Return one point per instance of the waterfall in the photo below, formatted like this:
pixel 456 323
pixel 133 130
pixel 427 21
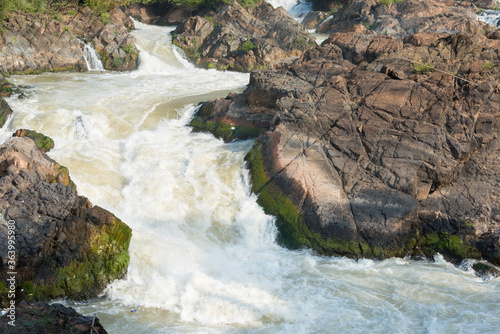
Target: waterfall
pixel 296 8
pixel 490 17
pixel 202 255
pixel 92 58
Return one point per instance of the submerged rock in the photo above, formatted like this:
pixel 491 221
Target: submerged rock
pixel 368 154
pixel 33 43
pixel 39 317
pixel 242 39
pixel 65 246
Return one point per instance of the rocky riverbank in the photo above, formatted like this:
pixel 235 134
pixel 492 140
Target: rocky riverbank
pixel 374 148
pixel 34 43
pixel 65 246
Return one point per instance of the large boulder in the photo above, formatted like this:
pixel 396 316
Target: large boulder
pixel 64 245
pixel 376 149
pixel 33 43
pixel 242 39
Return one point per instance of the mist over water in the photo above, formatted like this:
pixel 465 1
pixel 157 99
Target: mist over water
pixel 203 256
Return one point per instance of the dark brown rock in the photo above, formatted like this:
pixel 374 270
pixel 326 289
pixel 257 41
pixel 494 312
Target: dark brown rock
pixel 356 163
pixel 5 111
pixel 38 318
pixel 313 19
pixel 64 246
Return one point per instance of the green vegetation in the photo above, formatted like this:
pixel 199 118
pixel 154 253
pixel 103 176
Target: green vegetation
pixel 56 8
pixel 300 44
pixel 105 18
pixel 293 232
pixel 390 2
pixel 41 140
pixel 421 68
pixel 208 3
pixel 118 61
pixel 105 260
pixel 128 48
pixel 193 51
pixel 247 46
pixel 488 65
pixel 450 246
pixel 225 131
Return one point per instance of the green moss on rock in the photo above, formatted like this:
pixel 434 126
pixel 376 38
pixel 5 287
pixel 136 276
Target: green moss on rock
pixel 5 111
pixel 225 131
pixel 105 260
pixel 42 141
pixel 64 178
pixel 293 232
pixel 451 246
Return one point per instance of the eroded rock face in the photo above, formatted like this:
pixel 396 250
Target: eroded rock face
pixel 44 318
pixel 32 43
pixel 65 246
pixel 242 39
pixel 405 18
pixel 368 155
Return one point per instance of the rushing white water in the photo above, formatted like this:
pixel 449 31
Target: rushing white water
pixel 203 256
pixel 92 58
pixel 490 16
pixel 297 8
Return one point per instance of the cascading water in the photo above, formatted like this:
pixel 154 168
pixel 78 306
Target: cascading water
pixel 297 8
pixel 490 16
pixel 203 256
pixel 92 58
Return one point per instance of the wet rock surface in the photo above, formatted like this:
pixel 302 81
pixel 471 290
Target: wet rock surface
pixel 34 318
pixel 64 245
pixel 34 43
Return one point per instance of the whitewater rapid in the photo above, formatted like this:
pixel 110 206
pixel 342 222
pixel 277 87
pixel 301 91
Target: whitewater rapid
pixel 203 255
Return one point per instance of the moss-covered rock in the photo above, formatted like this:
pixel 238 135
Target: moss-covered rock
pixel 451 246
pixel 226 132
pixel 485 270
pixel 5 111
pixel 104 259
pixel 293 232
pixel 70 248
pixel 42 141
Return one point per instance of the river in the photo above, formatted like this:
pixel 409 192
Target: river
pixel 203 255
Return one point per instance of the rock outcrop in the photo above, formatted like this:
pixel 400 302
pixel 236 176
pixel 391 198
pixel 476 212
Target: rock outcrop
pixel 404 18
pixel 6 89
pixel 64 245
pixel 242 39
pixel 39 317
pixel 33 43
pixel 163 13
pixel 368 154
